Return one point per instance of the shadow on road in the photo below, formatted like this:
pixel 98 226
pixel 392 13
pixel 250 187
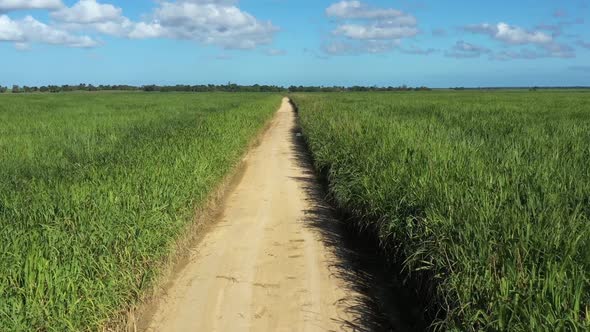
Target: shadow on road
pixel 379 300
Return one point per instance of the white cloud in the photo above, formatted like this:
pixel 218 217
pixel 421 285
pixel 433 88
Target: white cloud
pixel 29 30
pixel 515 35
pixel 212 22
pixel 88 11
pixel 144 30
pixel 90 15
pixel 375 31
pixel 379 46
pixel 9 5
pixel 510 34
pixel 9 30
pixel 358 10
pixel 553 50
pixel 545 44
pixel 368 29
pixel 463 50
pixel 356 47
pixel 338 48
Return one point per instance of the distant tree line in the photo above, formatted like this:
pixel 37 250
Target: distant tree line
pixel 67 88
pixel 354 88
pixel 230 87
pixel 533 88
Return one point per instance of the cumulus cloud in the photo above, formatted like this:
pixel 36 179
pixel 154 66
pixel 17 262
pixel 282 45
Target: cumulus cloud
pixel 510 34
pixel 338 47
pixel 10 5
pixel 10 30
pixel 515 35
pixel 367 29
pixel 88 11
pixel 29 30
pixel 379 30
pixel 354 47
pixel 211 22
pixel 358 10
pixel 463 50
pixel 379 46
pixel 545 45
pixel 553 51
pixel 90 15
pixel 144 30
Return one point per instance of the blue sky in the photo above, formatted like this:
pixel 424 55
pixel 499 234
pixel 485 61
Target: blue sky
pixel 286 42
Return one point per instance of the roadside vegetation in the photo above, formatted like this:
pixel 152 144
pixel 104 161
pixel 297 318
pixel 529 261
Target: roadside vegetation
pixel 96 188
pixel 485 195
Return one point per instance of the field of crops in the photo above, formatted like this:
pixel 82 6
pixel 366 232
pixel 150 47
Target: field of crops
pixel 486 193
pixel 95 188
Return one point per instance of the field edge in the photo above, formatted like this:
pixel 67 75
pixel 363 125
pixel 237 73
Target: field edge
pixel 413 292
pixel 131 318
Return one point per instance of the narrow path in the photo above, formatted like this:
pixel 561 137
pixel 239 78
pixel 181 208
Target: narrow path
pixel 261 267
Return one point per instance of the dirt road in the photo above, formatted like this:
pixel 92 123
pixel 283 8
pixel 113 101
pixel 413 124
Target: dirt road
pixel 260 268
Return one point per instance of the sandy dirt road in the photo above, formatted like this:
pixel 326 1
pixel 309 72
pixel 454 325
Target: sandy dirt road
pixel 260 268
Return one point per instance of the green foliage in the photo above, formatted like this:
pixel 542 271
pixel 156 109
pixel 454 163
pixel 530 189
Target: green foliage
pixel 95 188
pixel 488 192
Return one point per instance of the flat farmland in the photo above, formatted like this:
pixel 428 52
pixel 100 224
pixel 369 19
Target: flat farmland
pixel 96 188
pixel 481 197
pixel 413 210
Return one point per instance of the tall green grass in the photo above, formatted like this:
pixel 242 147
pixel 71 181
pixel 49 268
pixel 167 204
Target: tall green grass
pixel 488 194
pixel 95 188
